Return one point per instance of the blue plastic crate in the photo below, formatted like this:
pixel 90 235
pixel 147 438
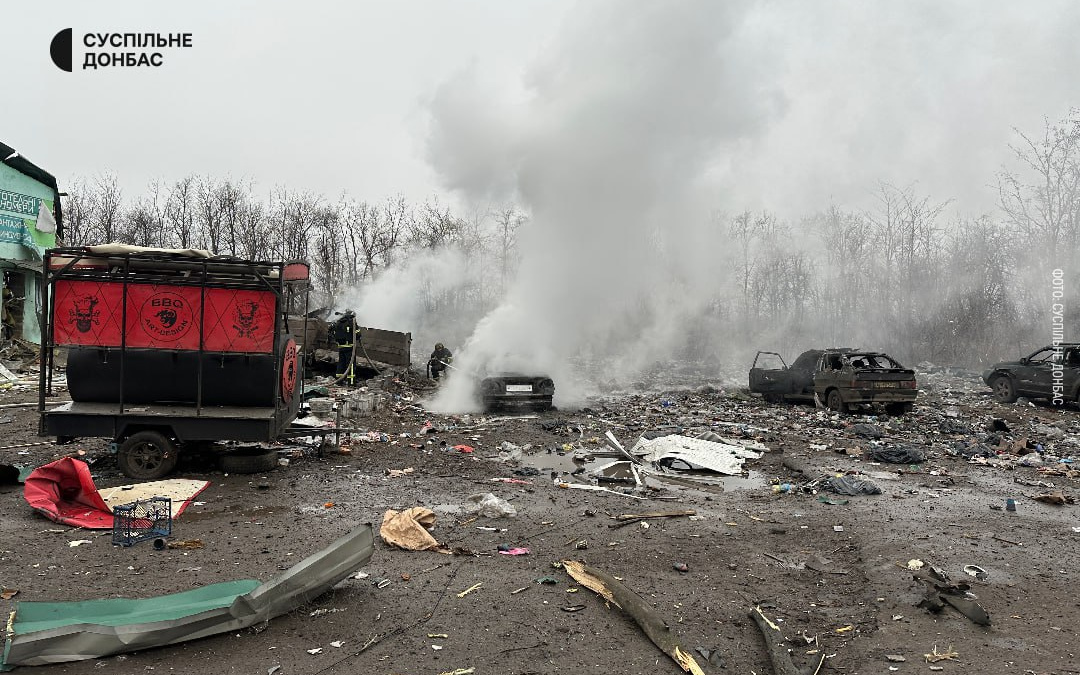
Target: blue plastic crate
pixel 142 520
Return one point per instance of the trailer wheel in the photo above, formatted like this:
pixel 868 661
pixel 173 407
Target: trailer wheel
pixel 249 462
pixel 147 455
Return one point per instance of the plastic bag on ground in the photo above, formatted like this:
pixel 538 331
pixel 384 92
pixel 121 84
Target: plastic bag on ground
pixel 489 506
pixel 848 485
pixel 898 455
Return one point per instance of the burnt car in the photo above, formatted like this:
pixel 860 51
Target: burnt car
pixel 841 378
pixel 1049 373
pixel 515 391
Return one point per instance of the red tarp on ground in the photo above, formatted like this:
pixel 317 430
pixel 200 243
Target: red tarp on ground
pixel 64 491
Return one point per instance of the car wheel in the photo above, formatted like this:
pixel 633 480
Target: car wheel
pixel 147 455
pixel 836 402
pixel 1004 390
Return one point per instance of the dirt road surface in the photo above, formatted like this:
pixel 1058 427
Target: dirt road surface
pixel 833 577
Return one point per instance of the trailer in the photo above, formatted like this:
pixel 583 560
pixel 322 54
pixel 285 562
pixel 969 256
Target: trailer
pixel 169 348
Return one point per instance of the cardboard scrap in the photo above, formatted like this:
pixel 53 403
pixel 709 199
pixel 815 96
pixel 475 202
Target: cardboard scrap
pixel 408 529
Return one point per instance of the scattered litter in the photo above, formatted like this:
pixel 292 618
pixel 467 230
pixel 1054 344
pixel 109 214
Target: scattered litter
pixel 79 542
pixel 683 452
pixel 464 448
pixel 337 643
pixel 976 571
pixel 547 581
pixel 681 567
pixel 489 506
pixel 91 629
pixel 459 671
pixel 661 632
pixel 573 608
pixel 1057 498
pixel 8 593
pixel 470 589
pixel 867 430
pixel 438 635
pixel 321 612
pixel 317 650
pixel 895 658
pixel 934 656
pixel 838 528
pixel 513 551
pixel 272 669
pixel 394 473
pixel 848 485
pixel 186 544
pixel 833 501
pixel 898 455
pixel 408 529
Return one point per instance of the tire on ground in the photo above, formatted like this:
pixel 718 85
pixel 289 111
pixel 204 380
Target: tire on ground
pixel 147 455
pixel 244 461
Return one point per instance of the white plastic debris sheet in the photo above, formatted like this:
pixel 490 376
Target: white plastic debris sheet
pixel 683 452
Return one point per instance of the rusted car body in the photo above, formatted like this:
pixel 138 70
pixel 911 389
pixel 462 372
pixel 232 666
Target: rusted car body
pixel 840 378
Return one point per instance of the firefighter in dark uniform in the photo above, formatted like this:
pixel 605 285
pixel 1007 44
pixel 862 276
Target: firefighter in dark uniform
pixel 345 336
pixel 440 358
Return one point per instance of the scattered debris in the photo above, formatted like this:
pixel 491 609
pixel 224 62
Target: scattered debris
pixel 848 485
pixel 488 505
pixel 513 551
pixel 1057 498
pixel 470 589
pixel 613 591
pixel 408 529
pixel 682 452
pixel 898 455
pixel 89 629
pixel 779 655
pixel 934 656
pixel 976 571
pixel 631 518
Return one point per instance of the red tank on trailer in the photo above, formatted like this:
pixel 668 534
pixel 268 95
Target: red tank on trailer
pixel 169 347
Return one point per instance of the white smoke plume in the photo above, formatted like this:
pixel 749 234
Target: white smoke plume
pixel 639 118
pixel 406 298
pixel 607 151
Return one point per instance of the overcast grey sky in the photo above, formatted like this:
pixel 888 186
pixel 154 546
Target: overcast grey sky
pixel 379 98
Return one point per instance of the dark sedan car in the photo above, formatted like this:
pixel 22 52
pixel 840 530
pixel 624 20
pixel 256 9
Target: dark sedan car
pixel 516 391
pixel 1050 373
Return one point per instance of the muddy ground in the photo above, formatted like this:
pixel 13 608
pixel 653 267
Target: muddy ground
pixel 833 576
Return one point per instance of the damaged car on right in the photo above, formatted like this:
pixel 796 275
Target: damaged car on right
pixel 841 378
pixel 1051 373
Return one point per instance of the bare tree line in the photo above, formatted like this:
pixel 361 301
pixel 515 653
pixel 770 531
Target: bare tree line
pixel 898 276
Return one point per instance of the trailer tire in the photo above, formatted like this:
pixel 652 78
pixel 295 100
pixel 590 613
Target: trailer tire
pixel 147 455
pixel 249 462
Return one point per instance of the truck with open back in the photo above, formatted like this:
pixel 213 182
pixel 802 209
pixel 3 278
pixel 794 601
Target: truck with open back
pixel 839 378
pixel 169 348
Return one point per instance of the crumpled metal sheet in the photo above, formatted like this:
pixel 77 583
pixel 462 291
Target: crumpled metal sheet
pixel 678 452
pixel 71 631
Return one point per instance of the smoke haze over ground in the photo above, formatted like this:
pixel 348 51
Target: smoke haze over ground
pixel 640 119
